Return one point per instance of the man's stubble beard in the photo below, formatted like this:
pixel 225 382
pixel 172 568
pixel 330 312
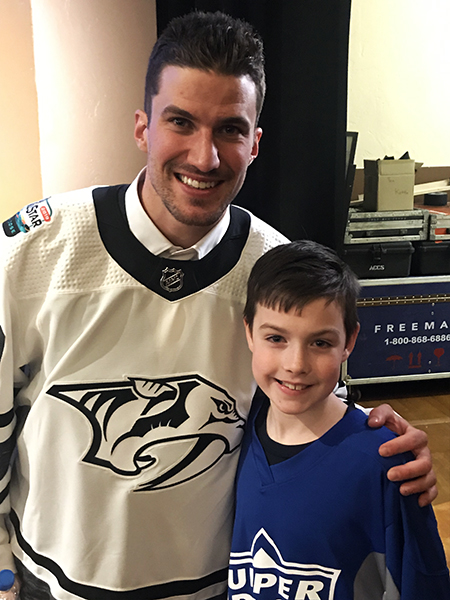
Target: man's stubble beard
pixel 167 196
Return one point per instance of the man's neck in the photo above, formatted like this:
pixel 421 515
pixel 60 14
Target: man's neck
pixel 179 234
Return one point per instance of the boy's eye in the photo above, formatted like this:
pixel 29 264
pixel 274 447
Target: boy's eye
pixel 322 344
pixel 276 339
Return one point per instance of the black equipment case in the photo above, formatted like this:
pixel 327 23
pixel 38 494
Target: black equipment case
pixel 431 258
pixel 392 259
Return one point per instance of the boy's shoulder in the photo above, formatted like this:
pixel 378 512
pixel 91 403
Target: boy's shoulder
pixel 366 441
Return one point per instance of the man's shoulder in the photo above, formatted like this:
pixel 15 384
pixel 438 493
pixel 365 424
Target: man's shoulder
pixel 266 233
pixel 42 215
pixel 40 235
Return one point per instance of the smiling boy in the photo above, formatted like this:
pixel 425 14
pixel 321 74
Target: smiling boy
pixel 316 516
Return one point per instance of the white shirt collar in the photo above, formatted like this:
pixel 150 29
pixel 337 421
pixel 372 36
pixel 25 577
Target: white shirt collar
pixel 143 228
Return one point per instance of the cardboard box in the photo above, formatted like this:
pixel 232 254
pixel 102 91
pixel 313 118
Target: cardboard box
pixel 388 185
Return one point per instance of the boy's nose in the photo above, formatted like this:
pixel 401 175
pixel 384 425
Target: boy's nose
pixel 204 154
pixel 296 361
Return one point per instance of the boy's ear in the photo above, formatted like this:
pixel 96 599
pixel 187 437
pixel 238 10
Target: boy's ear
pixel 248 333
pixel 350 344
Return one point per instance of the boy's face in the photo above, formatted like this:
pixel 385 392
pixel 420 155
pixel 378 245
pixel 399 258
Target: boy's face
pixel 297 356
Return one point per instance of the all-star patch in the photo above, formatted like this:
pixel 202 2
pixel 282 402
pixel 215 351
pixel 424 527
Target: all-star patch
pixel 32 216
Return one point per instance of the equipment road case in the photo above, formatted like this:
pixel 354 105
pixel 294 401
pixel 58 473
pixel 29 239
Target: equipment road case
pixel 439 226
pixel 431 258
pixel 405 331
pixel 386 226
pixel 379 260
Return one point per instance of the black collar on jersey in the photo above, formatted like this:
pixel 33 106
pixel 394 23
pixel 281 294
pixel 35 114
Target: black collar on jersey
pixel 274 451
pixel 171 279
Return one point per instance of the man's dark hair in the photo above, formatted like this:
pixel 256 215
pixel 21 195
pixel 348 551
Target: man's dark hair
pixel 292 275
pixel 211 42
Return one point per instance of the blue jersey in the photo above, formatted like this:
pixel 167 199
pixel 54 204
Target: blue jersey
pixel 327 524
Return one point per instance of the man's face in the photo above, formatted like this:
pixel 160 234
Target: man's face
pixel 200 141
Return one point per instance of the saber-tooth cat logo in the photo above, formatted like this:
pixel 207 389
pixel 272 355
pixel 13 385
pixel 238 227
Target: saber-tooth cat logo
pixel 171 429
pixel 263 572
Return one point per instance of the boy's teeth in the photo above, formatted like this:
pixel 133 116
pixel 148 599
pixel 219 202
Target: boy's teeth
pixel 201 185
pixel 291 386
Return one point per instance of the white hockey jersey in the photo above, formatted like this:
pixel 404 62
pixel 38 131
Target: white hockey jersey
pixel 126 380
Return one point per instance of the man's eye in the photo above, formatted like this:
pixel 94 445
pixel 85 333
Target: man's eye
pixel 231 130
pixel 180 122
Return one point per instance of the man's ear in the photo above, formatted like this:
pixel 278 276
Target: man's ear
pixel 140 130
pixel 248 333
pixel 255 148
pixel 350 344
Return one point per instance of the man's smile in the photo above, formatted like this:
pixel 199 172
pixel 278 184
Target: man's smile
pixel 195 183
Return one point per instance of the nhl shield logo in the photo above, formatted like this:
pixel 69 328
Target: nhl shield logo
pixel 171 279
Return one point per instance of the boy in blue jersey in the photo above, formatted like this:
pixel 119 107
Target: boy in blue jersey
pixel 316 516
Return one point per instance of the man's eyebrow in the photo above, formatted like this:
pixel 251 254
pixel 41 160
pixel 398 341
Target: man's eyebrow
pixel 237 120
pixel 172 109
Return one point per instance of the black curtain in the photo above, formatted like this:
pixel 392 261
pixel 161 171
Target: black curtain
pixel 297 184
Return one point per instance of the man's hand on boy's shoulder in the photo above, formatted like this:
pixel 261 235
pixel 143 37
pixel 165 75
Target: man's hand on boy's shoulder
pixel 418 474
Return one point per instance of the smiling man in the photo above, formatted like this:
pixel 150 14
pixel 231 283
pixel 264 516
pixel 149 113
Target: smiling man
pixel 125 376
pixel 200 139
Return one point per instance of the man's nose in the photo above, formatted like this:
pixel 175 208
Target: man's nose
pixel 204 153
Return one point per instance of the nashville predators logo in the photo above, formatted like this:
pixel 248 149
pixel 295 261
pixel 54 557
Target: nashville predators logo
pixel 171 430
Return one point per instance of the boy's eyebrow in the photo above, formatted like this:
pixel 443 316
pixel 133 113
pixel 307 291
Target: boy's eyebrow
pixel 270 326
pixel 284 331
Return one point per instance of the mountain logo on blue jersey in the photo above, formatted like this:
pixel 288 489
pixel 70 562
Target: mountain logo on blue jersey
pixel 165 430
pixel 262 573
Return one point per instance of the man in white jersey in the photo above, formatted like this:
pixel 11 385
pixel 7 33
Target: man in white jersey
pixel 125 377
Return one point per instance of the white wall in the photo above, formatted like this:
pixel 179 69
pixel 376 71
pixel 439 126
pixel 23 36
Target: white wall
pixel 82 62
pixel 399 79
pixel 20 170
pixel 72 74
pixel 91 58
